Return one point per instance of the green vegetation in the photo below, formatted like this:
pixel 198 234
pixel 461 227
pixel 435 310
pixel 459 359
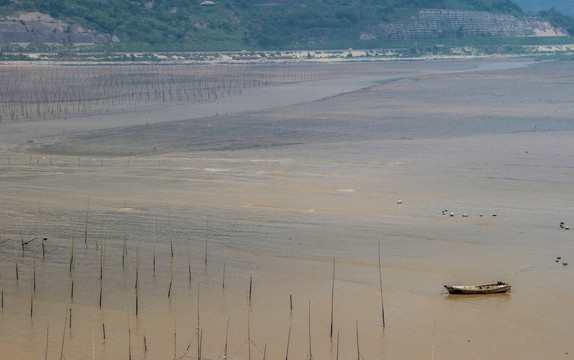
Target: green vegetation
pixel 170 25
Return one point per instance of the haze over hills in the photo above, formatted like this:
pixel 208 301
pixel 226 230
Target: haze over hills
pixel 124 25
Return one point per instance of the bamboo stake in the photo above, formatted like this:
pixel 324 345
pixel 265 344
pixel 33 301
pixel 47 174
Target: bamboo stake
pixel 433 340
pixel 200 344
pixel 47 337
pixel 137 302
pixel 136 285
pixel 22 231
pixel 32 297
pixel 206 233
pixel 93 342
pixel 154 238
pixel 250 288
pixel 337 358
pixel 358 351
pixel 226 338
pixel 170 281
pixel 288 341
pixel 332 298
pixel 101 255
pixel 224 260
pixel 174 334
pixel 125 245
pixel 64 335
pixel 198 340
pixel 169 230
pixel 73 240
pixel 42 233
pixel 248 335
pixel 86 225
pixel 381 287
pixel 189 254
pixel 310 353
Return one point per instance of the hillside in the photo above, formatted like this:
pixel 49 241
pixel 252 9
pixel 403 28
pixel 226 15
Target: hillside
pixel 124 25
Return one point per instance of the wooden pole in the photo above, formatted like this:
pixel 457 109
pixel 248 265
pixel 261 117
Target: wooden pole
pixel 288 340
pixel 381 287
pixel 64 335
pixel 73 240
pixel 189 255
pixel 154 237
pixel 47 338
pixel 250 288
pixel 332 298
pixel 137 302
pixel 174 334
pixel 125 244
pixel 310 352
pixel 358 351
pixel 169 230
pixel 206 233
pixel 200 344
pixel 248 335
pixel 86 225
pixel 170 281
pixel 226 338
pixel 337 358
pixel 433 340
pixel 224 260
pixel 198 336
pixel 32 297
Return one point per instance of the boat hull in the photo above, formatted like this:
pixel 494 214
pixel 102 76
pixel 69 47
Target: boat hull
pixel 478 289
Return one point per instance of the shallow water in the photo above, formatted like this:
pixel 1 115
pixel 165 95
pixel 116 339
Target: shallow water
pixel 278 191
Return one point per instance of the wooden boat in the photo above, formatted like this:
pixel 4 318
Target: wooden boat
pixel 499 287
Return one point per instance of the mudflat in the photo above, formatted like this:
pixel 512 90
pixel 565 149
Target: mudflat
pixel 261 221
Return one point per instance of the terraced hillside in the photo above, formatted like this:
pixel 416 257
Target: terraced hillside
pixel 440 23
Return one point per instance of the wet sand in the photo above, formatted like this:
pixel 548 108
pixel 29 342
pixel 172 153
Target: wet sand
pixel 281 181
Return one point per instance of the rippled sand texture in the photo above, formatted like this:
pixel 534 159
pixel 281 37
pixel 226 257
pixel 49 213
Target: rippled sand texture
pixel 249 205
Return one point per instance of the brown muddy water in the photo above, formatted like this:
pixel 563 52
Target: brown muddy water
pixel 265 193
